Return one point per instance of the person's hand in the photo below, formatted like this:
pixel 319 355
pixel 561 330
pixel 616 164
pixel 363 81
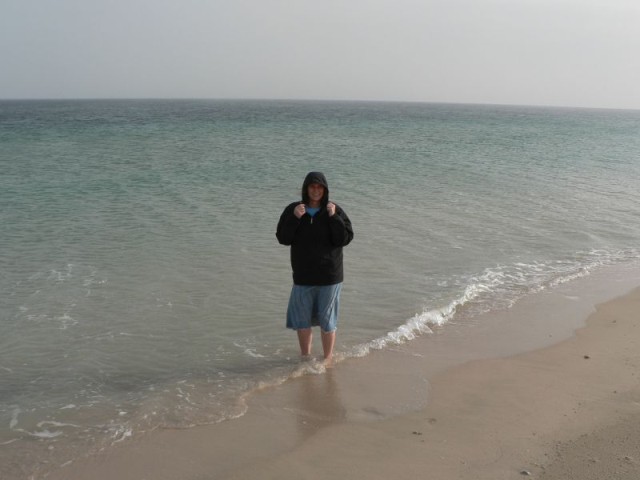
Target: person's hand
pixel 331 209
pixel 300 210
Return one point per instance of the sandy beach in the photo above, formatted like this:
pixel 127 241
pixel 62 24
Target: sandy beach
pixel 567 408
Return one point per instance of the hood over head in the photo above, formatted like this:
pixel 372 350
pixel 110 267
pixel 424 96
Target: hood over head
pixel 315 177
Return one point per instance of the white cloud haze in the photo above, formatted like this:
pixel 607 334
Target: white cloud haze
pixel 534 52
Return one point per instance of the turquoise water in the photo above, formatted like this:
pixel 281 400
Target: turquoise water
pixel 142 284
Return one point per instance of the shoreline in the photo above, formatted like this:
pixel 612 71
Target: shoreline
pixel 405 412
pixel 567 411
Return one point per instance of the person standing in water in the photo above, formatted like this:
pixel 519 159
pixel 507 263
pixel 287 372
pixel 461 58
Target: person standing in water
pixel 316 230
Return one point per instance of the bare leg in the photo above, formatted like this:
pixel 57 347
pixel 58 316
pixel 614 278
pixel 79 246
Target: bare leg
pixel 328 341
pixel 304 338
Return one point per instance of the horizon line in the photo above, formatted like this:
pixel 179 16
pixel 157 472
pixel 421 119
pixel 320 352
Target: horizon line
pixel 311 100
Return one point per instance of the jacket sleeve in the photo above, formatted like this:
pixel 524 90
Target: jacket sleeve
pixel 287 226
pixel 341 229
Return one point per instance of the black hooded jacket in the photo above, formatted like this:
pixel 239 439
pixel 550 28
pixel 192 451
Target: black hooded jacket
pixel 316 242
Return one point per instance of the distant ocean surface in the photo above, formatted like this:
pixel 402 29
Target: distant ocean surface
pixel 142 286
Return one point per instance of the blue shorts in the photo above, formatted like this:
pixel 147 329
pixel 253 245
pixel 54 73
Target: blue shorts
pixel 311 305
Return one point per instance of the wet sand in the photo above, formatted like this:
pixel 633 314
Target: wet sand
pixel 463 403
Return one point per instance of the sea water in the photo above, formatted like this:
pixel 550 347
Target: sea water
pixel 142 286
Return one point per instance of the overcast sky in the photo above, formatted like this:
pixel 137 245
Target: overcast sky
pixel 532 52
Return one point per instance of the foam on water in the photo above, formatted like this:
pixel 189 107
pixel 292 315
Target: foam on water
pixel 498 288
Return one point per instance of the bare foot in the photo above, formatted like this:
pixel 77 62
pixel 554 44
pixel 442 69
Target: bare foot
pixel 328 362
